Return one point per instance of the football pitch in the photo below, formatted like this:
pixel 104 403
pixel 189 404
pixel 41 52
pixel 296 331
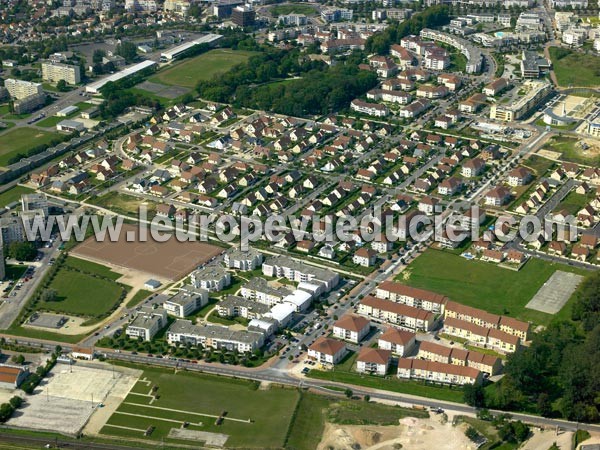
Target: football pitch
pixel 203 67
pixel 252 417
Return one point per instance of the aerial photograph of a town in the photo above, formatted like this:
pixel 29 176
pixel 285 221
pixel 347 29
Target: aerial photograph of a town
pixel 300 225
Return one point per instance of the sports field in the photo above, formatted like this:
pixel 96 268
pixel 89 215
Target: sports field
pixel 484 285
pixel 203 67
pixel 19 140
pixel 82 294
pixel 167 260
pixel 254 418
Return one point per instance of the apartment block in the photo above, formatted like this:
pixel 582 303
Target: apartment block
pixel 54 72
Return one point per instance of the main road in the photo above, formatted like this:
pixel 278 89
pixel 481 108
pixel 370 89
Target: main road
pixel 281 376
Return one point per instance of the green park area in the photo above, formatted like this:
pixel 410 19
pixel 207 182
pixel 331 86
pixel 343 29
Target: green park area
pixel 275 417
pixel 83 288
pixel 19 140
pixel 575 69
pixel 485 285
pixel 203 67
pixel 292 8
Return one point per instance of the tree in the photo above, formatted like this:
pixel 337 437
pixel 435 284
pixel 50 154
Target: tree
pixel 5 412
pixel 98 55
pixel 61 85
pixel 16 402
pixel 18 359
pixel 22 251
pixel 48 295
pixel 127 50
pixel 473 395
pixel 348 393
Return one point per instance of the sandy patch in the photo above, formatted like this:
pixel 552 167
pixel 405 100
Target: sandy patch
pixel 413 434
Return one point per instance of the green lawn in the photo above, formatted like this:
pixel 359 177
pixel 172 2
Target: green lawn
pixel 50 122
pixel 270 411
pixel 573 202
pixel 484 285
pixel 13 195
pixel 292 8
pixel 203 67
pixel 571 151
pixel 539 164
pixel 91 267
pixel 15 271
pixel 138 297
pixel 307 428
pixel 565 61
pixel 19 140
pixel 446 393
pixel 82 294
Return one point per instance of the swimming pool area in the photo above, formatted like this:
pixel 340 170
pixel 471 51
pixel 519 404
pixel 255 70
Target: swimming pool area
pixel 499 34
pixel 467 255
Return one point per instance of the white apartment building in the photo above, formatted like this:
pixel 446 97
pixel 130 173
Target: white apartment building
pixel 54 72
pixel 20 89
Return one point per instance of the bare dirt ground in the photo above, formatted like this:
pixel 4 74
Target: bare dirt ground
pixel 171 259
pixel 413 434
pixel 543 440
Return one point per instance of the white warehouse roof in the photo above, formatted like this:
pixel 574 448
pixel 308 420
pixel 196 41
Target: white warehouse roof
pixel 175 51
pixel 95 87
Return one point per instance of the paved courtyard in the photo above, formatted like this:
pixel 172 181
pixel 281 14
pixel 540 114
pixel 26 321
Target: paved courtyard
pixel 555 292
pixel 68 396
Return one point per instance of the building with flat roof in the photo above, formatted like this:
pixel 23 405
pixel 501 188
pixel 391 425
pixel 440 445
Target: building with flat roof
pixel 283 266
pixel 259 290
pixel 94 88
pixel 235 306
pixel 536 93
pixel 236 258
pixel 211 278
pixel 147 322
pixel 243 16
pixel 55 72
pixel 19 89
pixel 185 302
pixel 173 53
pixel 36 201
pixel 214 336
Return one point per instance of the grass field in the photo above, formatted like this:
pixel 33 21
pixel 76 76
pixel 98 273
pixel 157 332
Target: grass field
pixel 454 394
pixel 203 67
pixel 307 428
pixel 137 298
pixel 122 203
pixel 570 151
pixel 13 195
pixel 270 411
pixel 573 202
pixel 18 140
pixel 82 294
pixel 91 267
pixel 485 285
pixel 295 8
pixel 50 122
pixel 588 68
